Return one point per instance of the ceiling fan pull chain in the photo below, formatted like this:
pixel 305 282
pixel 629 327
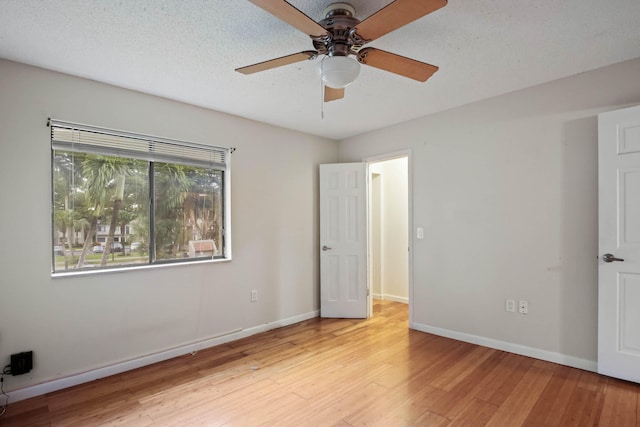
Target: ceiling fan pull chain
pixel 321 103
pixel 321 91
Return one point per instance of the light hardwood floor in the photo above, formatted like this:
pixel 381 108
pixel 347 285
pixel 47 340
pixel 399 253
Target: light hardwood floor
pixel 337 372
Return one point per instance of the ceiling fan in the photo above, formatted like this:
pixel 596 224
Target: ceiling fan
pixel 340 35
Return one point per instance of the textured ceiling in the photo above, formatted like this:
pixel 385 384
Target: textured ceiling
pixel 188 49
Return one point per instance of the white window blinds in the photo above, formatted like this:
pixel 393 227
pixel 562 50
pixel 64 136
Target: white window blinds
pixel 90 139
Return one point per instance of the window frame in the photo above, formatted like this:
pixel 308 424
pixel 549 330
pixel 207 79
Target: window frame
pixel 151 149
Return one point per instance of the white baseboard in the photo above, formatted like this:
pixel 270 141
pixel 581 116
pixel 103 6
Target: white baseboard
pixel 549 356
pixel 388 297
pixel 395 298
pixel 84 377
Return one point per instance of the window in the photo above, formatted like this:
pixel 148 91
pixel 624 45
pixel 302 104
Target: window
pixel 122 199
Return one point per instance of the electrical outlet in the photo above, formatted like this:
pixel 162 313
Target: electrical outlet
pixel 510 305
pixel 254 295
pixel 523 307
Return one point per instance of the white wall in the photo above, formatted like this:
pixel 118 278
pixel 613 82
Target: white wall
pixel 394 223
pixel 76 324
pixel 506 190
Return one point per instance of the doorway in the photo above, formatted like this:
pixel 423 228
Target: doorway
pixel 389 242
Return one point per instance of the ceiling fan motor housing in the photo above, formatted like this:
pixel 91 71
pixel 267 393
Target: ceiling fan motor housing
pixel 340 40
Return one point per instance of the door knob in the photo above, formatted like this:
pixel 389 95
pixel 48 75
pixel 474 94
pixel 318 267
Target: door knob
pixel 610 258
pixel 326 248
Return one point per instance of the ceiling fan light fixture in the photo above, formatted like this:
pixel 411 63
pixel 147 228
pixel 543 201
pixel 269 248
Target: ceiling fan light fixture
pixel 339 71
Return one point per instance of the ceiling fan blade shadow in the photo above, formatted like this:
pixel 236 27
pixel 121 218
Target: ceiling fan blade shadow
pixel 278 62
pixel 396 64
pixel 395 15
pixel 332 94
pixel 292 16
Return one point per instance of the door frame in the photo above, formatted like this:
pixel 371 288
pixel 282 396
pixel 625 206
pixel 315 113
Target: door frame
pixel 381 158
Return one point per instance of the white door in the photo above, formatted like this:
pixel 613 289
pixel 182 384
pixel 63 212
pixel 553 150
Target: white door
pixel 619 244
pixel 343 240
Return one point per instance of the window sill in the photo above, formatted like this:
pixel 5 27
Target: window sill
pixel 86 272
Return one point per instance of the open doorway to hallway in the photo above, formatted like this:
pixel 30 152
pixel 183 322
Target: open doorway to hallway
pixel 389 230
